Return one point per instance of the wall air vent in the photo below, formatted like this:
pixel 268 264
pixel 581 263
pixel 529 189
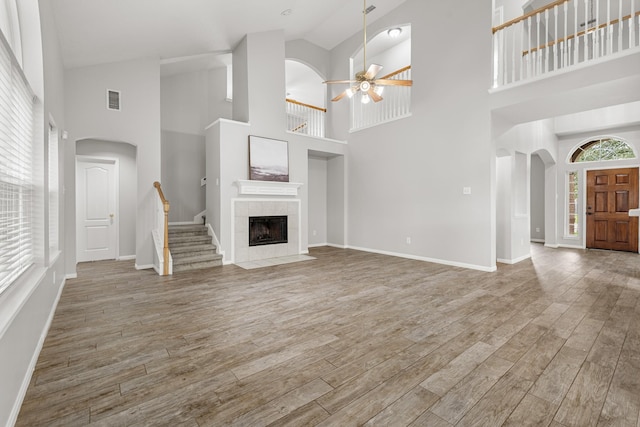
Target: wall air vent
pixel 369 9
pixel 113 100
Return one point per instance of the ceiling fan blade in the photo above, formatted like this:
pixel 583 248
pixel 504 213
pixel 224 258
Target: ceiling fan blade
pixel 354 89
pixel 372 71
pixel 373 95
pixel 340 81
pixel 391 82
pixel 339 97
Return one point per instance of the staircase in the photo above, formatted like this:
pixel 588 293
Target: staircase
pixel 191 248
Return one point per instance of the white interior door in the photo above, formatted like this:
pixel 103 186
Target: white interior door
pixel 96 208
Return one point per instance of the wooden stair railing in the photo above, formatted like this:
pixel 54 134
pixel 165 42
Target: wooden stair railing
pixel 396 72
pixel 165 248
pixel 302 104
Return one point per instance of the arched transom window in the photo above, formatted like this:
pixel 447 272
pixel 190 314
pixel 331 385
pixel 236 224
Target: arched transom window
pixel 603 149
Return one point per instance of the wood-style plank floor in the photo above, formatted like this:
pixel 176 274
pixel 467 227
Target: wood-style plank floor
pixel 350 338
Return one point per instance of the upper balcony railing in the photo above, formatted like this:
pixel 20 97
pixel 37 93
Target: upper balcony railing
pixel 396 103
pixel 305 119
pixel 561 35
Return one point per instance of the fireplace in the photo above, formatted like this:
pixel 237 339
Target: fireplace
pixel 267 230
pixel 242 210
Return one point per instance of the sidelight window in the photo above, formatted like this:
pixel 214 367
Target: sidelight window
pixel 572 206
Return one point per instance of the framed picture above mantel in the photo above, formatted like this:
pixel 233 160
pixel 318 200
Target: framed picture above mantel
pixel 268 159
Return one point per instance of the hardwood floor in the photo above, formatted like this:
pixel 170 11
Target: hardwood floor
pixel 349 338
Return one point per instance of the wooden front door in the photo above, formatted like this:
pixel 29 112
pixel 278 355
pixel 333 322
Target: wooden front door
pixel 610 195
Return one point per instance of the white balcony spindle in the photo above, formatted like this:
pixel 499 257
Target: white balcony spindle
pixel 597 33
pixel 609 31
pixel 565 50
pixel 556 59
pixel 513 54
pixel 632 37
pixel 575 38
pixel 546 41
pixel 585 41
pixel 620 25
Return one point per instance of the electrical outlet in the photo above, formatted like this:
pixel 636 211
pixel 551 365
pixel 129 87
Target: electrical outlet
pixel 408 240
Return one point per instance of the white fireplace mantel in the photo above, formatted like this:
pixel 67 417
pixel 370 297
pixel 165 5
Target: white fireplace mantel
pixel 268 188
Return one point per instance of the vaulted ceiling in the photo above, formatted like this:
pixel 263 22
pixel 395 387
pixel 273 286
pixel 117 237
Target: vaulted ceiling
pixel 99 31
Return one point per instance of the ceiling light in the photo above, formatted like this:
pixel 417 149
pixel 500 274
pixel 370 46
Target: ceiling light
pixel 365 98
pixel 379 90
pixel 286 12
pixel 394 32
pixel 350 92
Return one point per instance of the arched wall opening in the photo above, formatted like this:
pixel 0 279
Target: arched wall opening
pixel 304 84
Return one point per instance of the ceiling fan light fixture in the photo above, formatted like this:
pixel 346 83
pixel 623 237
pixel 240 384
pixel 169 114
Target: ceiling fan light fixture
pixel 350 93
pixel 394 32
pixel 378 90
pixel 365 86
pixel 365 98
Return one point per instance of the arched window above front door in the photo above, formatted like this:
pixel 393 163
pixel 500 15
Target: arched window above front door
pixel 602 149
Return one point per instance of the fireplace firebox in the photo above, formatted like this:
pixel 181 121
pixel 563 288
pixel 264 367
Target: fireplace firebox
pixel 267 230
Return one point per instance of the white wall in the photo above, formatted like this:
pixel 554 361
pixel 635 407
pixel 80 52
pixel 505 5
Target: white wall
pixel 183 166
pixel 27 307
pixel 537 198
pixel 310 54
pixel 189 103
pixel 192 101
pixel 337 201
pixel 503 209
pixel 317 200
pixel 126 155
pixel 409 175
pixel 138 124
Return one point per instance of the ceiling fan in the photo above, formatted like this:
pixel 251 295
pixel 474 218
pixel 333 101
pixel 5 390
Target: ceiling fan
pixel 365 80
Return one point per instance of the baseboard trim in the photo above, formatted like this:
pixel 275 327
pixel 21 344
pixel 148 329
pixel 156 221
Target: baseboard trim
pixel 15 411
pixel 537 240
pixel 571 247
pixel 333 245
pixel 126 258
pixel 426 259
pixel 513 261
pixel 144 267
pixel 317 245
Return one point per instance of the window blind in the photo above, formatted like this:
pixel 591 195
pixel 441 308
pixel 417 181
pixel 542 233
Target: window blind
pixel 16 169
pixel 53 190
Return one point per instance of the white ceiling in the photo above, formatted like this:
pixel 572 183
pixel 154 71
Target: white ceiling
pixel 99 31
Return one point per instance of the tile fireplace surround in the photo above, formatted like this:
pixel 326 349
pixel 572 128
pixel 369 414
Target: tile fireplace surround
pixel 242 209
